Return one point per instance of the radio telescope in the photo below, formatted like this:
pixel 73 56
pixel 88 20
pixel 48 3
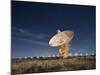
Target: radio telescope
pixel 62 41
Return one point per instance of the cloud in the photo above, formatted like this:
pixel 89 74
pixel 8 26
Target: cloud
pixel 82 50
pixel 25 35
pixel 32 41
pixel 22 33
pixel 21 30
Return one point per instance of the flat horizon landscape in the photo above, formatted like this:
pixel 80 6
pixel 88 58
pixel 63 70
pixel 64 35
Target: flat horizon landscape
pixel 52 64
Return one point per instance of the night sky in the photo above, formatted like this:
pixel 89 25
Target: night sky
pixel 33 24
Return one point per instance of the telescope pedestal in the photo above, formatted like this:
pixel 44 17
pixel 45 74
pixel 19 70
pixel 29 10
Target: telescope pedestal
pixel 64 50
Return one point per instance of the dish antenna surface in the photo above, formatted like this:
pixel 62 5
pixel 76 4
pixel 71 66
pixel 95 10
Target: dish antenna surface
pixel 62 41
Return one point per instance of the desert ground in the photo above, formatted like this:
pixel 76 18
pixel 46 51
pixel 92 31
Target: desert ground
pixel 52 64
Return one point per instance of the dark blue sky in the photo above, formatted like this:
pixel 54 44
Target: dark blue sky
pixel 33 24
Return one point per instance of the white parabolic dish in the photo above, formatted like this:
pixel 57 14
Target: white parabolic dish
pixel 61 38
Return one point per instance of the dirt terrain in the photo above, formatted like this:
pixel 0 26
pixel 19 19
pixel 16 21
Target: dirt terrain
pixel 52 64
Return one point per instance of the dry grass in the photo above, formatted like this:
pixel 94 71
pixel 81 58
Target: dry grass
pixel 52 65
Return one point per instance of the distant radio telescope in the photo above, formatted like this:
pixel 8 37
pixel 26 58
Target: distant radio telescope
pixel 62 41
